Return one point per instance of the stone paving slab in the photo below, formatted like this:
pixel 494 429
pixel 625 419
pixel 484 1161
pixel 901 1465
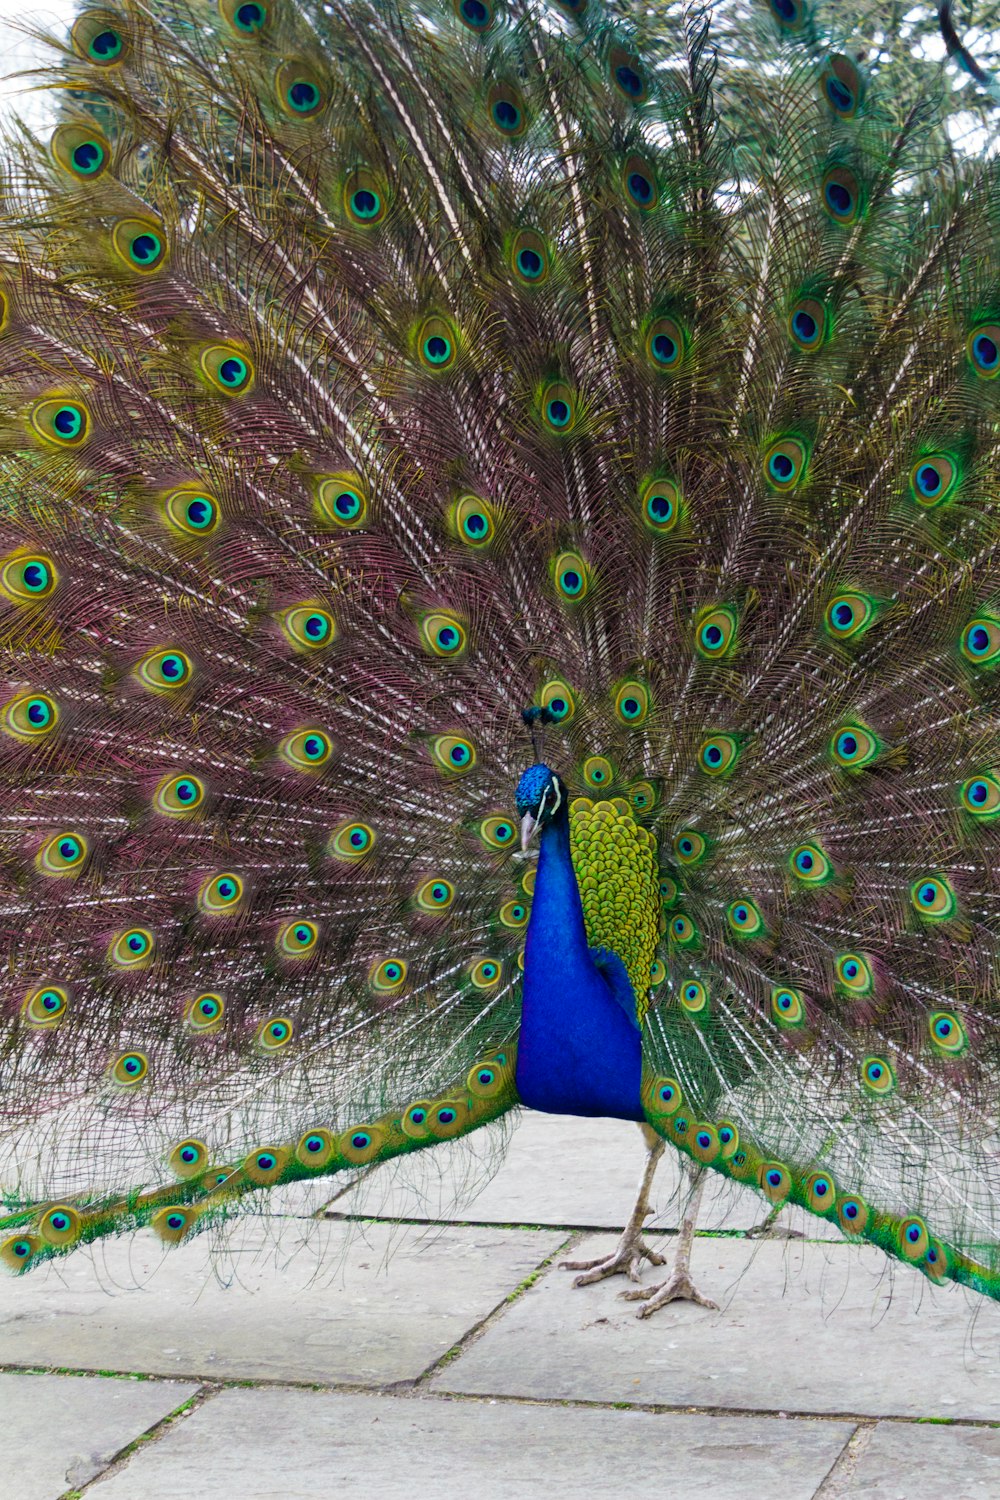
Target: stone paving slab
pixel 295 1445
pixel 58 1431
pixel 803 1327
pixel 558 1170
pixel 903 1460
pixel 375 1305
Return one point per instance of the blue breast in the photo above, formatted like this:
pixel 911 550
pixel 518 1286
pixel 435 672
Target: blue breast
pixel 579 1050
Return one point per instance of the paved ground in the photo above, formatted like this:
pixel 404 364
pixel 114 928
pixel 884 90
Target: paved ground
pixel 397 1345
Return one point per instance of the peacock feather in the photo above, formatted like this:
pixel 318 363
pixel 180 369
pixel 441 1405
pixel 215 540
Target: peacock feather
pixel 371 373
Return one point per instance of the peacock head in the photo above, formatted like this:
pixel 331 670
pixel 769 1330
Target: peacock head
pixel 540 795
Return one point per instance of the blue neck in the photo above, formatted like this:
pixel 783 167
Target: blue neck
pixel 578 1051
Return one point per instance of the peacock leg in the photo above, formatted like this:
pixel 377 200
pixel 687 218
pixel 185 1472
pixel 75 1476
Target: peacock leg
pixel 766 1229
pixel 678 1285
pixel 627 1258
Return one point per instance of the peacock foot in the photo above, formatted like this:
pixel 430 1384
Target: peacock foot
pixel 678 1287
pixel 625 1260
pixel 770 1229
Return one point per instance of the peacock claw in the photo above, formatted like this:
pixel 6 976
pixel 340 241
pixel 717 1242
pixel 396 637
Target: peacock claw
pixel 625 1260
pixel 678 1287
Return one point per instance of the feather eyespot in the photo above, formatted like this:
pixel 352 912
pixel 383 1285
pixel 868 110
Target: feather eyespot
pixel 514 914
pixel 529 257
pixel 639 182
pixel 443 635
pixel 598 772
pixel 690 847
pixel 477 15
pixel 473 521
pixel 642 796
pixel 192 512
pixel 171 1223
pixel 274 1034
pixel 140 245
pixel 130 1069
pixel 164 670
pixel 571 577
pixel 221 895
pixel 350 842
pixel 188 1159
pixel 877 1076
pixel 317 1148
pixel 247 18
pixel 744 918
pixel 788 1008
pixel 308 627
pixel 82 152
pixel 341 500
pixel 507 111
pixel 933 898
pixel 60 1225
pixel 934 480
pixel 437 344
pixel 97 37
pixel 628 76
pixel 854 974
pixel 775 1181
pixel 45 1007
pixel 300 91
pixel 913 1238
pixel 132 949
pixel 30 716
pixel 306 749
pixel 453 753
pixel 387 976
pixel 808 324
pixel 715 632
pixel 485 973
pixel 365 199
pixel 683 931
pixel 28 577
pixel 842 85
pixel 718 754
pixel 660 506
pixel 785 464
pixel 227 368
pixel 983 349
pixel 947 1034
pixel 849 614
pixel 666 345
pixel 203 1013
pixel 265 1165
pixel 558 697
pixel 810 865
pixel 791 15
pixel 854 747
pixel 498 832
pixel 980 795
pixel 840 194
pixel 559 408
pixel 852 1214
pixel 632 703
pixel 60 421
pixel 980 641
pixel 693 997
pixel 661 1097
pixel 820 1192
pixel 435 895
pixel 297 940
pixel 64 854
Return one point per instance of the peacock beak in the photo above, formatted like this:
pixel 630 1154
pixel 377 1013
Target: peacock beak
pixel 529 827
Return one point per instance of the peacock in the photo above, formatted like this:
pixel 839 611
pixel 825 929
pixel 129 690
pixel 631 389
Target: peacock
pixel 500 585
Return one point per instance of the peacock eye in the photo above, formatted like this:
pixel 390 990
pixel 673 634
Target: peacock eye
pixel 298 939
pixel 514 914
pixel 660 506
pixel 27 577
pixel 300 91
pixel 853 747
pixel 529 258
pixel 341 500
pixel 387 976
pixel 980 795
pixel 226 368
pixel 164 670
pixel 666 345
pixel 689 847
pixel 204 1012
pixel 841 85
pixel 632 703
pixel 854 974
pixel 29 716
pixel 598 772
pixel 669 891
pixel 642 796
pixel 192 512
pixel 775 1181
pixel 877 1076
pixel 947 1033
pixel 934 480
pixel 787 1008
pixel 558 408
pixel 82 152
pixel 221 895
pixel 785 464
pixel 683 932
pixel 639 182
pixel 140 245
pixel 60 422
pixel 983 348
pixel 97 38
pixel 306 749
pixel 437 344
pixel 435 895
pixel 497 832
pixel 840 195
pixel 65 854
pixel 852 1212
pixel 132 949
pixel 627 76
pixel 506 110
pixel 744 918
pixel 849 614
pixel 45 1007
pixel 477 15
pixel 365 198
pixel 810 865
pixel 248 18
pixel 933 898
pixel 718 754
pixel 453 753
pixel 350 842
pixel 473 521
pixel 693 997
pixel 791 15
pixel 316 1148
pixel 308 627
pixel 571 577
pixel 980 641
pixel 715 632
pixel 485 973
pixel 558 697
pixel 808 325
pixel 443 634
